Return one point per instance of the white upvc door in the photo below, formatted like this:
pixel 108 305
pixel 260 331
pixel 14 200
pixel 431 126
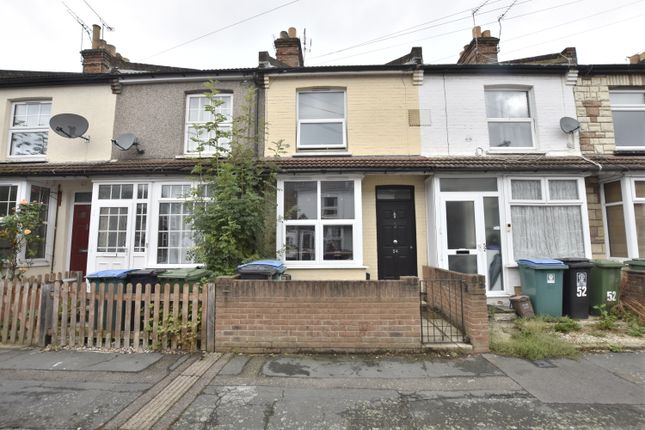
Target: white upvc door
pixel 110 244
pixel 471 236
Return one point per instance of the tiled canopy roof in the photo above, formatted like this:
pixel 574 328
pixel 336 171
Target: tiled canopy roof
pixel 510 163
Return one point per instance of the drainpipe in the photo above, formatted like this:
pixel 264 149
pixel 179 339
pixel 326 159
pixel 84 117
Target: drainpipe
pixel 59 198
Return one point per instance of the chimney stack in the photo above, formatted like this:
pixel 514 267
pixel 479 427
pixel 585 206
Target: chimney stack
pixel 637 58
pixel 481 50
pixel 288 49
pixel 101 58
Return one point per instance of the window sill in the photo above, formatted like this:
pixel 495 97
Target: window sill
pixel 522 150
pixel 322 154
pixel 27 159
pixel 200 155
pixel 37 263
pixel 630 151
pixel 290 266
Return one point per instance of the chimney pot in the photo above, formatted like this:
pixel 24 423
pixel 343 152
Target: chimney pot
pixel 291 32
pixel 284 35
pixel 96 36
pixel 482 49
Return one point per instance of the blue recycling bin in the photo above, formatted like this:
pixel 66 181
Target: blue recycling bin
pixel 262 269
pixel 541 280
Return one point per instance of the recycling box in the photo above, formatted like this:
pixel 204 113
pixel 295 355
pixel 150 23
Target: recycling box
pixel 576 284
pixel 605 284
pixel 541 280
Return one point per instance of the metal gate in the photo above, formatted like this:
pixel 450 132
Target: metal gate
pixel 442 311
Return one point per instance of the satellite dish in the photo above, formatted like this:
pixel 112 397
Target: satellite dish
pixel 568 124
pixel 126 141
pixel 69 125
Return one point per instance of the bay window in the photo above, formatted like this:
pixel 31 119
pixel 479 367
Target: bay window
pixel 320 221
pixel 321 119
pixel 510 123
pixel 624 216
pixel 175 233
pixel 547 218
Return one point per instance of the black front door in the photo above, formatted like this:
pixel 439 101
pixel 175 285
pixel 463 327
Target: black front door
pixel 396 232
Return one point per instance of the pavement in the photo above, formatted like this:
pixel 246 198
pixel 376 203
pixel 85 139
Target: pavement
pixel 86 390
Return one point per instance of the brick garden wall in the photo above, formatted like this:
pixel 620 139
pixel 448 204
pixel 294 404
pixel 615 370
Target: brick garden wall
pixel 633 286
pixel 290 316
pixel 475 310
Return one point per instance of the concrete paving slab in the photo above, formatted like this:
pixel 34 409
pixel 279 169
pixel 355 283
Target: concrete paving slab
pixel 73 360
pixel 235 365
pixel 62 405
pixel 252 407
pixel 627 365
pixel 390 368
pixel 571 381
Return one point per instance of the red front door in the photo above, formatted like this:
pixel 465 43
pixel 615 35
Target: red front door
pixel 80 236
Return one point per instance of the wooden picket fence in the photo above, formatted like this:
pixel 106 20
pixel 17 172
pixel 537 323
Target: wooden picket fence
pixel 59 311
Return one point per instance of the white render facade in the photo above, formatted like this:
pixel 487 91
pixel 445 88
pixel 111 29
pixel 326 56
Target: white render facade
pixel 484 221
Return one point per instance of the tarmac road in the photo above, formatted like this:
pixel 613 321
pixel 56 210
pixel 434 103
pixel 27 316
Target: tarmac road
pixel 69 389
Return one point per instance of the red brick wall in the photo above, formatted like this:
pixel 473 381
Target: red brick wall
pixel 475 310
pixel 289 316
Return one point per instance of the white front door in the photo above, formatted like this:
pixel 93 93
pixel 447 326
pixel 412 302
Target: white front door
pixel 472 235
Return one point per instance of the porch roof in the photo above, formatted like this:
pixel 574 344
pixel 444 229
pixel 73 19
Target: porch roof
pixel 503 163
pixel 419 164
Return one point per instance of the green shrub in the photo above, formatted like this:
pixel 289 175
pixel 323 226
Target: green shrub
pixel 607 320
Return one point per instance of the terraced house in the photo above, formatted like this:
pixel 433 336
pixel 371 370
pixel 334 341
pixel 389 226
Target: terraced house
pixel 467 167
pixel 389 168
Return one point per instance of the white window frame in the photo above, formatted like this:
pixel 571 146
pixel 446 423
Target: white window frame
pixel 24 193
pixel 546 201
pixel 342 121
pixel 158 201
pixel 319 223
pixel 628 190
pixel 625 107
pixel 208 150
pixel 530 120
pixel 17 129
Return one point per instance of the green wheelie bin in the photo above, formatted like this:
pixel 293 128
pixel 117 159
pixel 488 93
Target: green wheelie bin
pixel 183 276
pixel 541 280
pixel 637 264
pixel 605 284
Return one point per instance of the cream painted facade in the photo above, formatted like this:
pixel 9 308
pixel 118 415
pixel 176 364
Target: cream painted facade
pixel 94 102
pixel 376 112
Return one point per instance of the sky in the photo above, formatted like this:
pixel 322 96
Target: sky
pixel 213 34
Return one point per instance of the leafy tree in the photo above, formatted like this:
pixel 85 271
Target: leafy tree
pixel 234 211
pixel 18 234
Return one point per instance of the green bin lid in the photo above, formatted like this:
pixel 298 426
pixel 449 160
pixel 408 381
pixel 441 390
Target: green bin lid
pixel 612 264
pixel 638 263
pixel 186 274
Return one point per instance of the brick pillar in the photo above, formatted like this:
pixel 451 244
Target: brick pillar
pixel 633 286
pixel 476 313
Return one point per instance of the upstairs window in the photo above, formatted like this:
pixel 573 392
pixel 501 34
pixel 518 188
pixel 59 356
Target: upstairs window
pixel 509 118
pixel 196 116
pixel 628 110
pixel 321 119
pixel 28 131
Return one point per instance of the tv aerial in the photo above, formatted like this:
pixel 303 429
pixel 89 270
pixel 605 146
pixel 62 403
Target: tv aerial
pixel 126 141
pixel 70 125
pixel 569 125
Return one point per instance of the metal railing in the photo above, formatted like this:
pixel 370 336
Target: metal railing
pixel 442 311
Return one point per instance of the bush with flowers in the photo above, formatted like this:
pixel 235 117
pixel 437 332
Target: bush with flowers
pixel 19 238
